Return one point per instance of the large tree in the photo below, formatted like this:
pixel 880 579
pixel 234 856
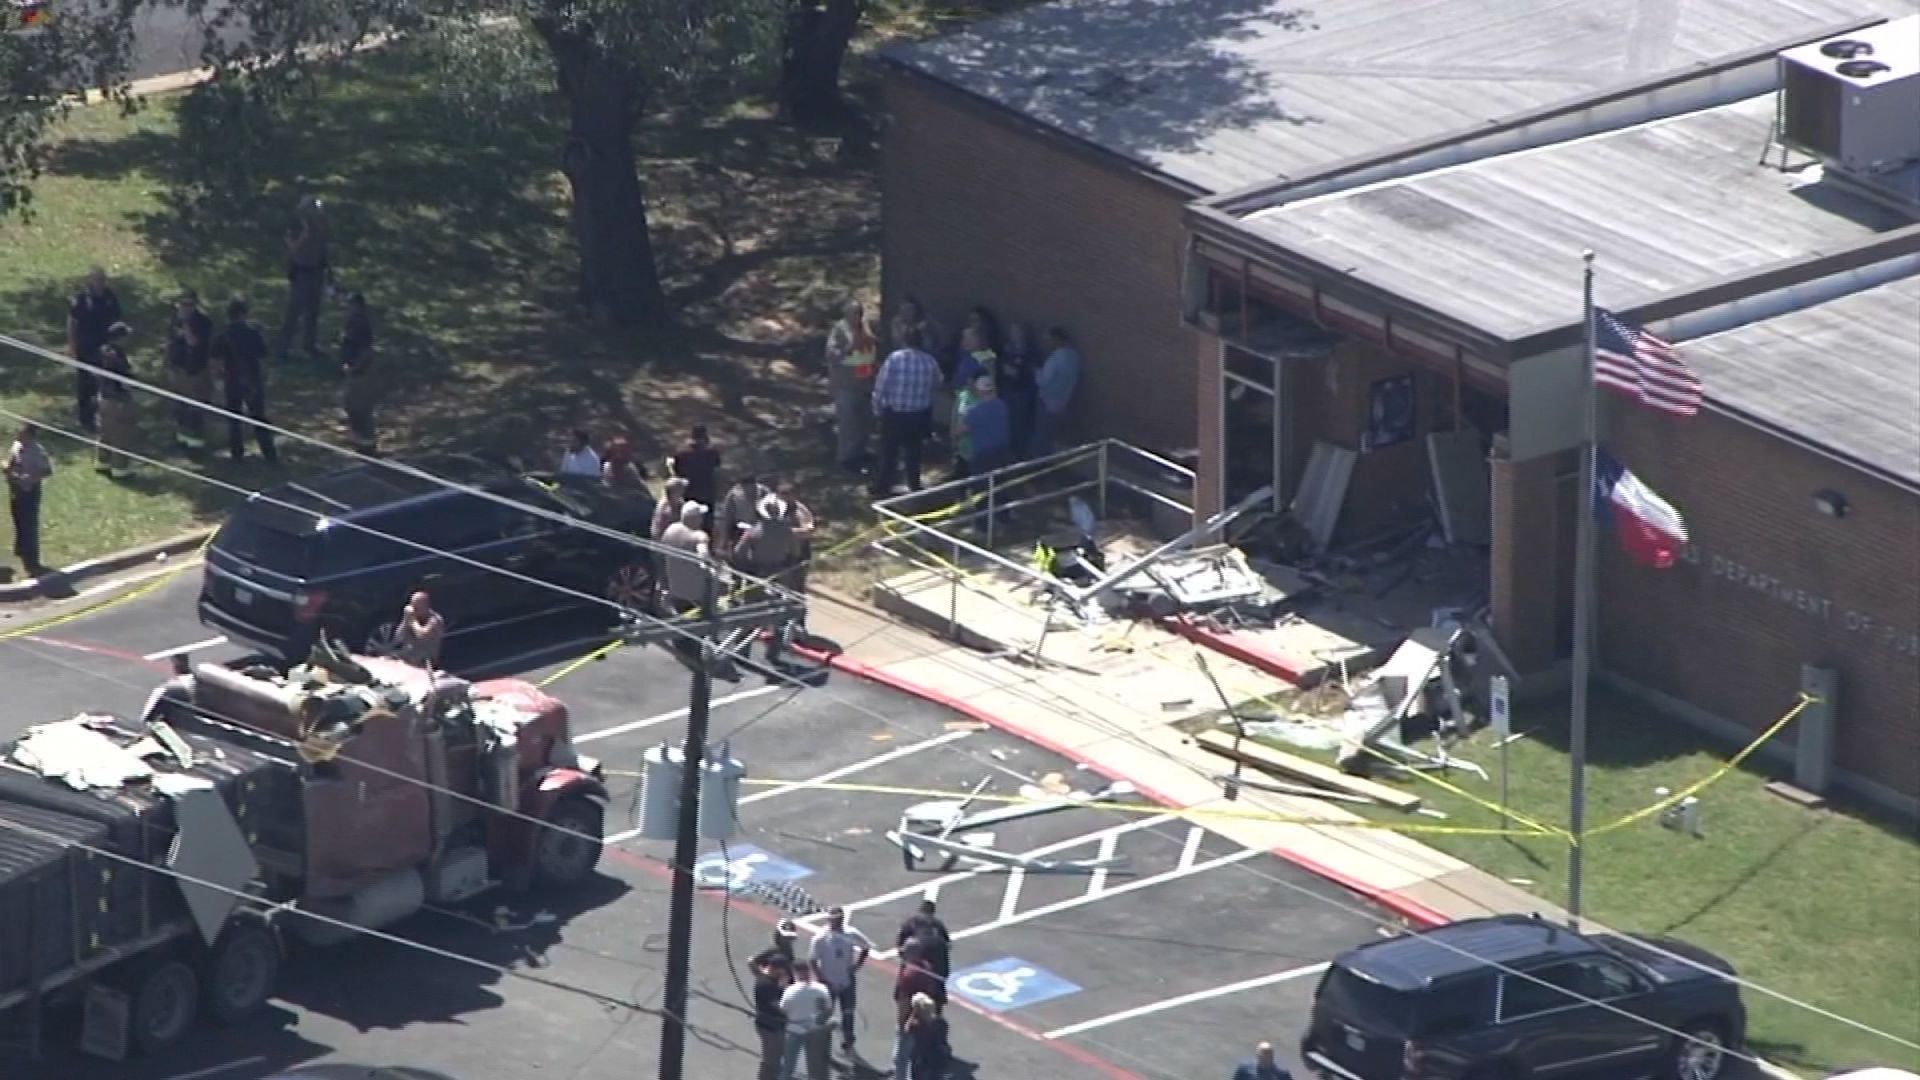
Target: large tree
pixel 42 67
pixel 812 51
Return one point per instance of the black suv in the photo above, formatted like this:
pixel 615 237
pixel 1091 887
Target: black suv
pixel 1445 1005
pixel 286 565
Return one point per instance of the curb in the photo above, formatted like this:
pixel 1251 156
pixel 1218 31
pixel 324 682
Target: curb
pixel 35 588
pixel 1412 911
pixel 1230 646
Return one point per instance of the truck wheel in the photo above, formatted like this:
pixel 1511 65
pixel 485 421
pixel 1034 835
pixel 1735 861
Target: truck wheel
pixel 241 972
pixel 165 1005
pixel 563 858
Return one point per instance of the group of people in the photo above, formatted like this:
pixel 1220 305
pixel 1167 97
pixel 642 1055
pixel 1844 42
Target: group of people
pixel 205 364
pixel 797 1000
pixel 999 394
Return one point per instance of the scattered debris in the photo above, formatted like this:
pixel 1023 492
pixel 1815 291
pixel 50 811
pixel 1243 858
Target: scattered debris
pixel 965 725
pixel 881 736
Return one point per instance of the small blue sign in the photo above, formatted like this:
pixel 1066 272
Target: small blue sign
pixel 737 867
pixel 1008 983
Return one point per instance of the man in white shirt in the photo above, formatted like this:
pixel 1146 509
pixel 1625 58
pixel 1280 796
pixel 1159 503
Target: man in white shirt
pixel 580 461
pixel 839 952
pixel 809 1011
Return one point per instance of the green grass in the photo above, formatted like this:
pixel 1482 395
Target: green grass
pixel 463 246
pixel 1823 906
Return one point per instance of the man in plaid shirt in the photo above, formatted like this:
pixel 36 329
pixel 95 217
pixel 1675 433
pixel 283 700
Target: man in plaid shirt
pixel 903 400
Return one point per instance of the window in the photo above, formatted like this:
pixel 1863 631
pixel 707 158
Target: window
pixel 1456 1006
pixel 1604 979
pixel 1349 996
pixel 1543 989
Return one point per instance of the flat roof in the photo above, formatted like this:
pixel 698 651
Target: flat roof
pixel 1844 374
pixel 1221 94
pixel 1669 205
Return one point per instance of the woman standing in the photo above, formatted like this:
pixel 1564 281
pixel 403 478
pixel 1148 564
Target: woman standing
pixel 928 1051
pixel 116 403
pixel 852 353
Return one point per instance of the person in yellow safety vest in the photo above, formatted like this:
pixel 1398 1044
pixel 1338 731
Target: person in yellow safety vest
pixel 851 355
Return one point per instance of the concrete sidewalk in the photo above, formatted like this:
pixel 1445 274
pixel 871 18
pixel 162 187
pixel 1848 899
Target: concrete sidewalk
pixel 1123 730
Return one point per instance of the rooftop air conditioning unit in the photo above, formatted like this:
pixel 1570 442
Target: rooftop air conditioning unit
pixel 1854 100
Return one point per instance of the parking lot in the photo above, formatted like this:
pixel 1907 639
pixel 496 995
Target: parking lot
pixel 1169 962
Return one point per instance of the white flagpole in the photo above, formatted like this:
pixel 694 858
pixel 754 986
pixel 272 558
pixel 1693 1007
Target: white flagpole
pixel 1582 614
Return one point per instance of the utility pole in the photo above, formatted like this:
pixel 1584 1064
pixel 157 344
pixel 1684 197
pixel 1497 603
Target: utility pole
pixel 686 844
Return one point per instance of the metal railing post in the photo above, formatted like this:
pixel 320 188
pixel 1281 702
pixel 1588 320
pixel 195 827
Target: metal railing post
pixel 992 485
pixel 1105 446
pixel 953 591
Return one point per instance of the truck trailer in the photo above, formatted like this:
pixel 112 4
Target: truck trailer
pixel 154 870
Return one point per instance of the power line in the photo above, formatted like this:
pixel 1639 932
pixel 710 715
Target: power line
pixel 646 543
pixel 769 586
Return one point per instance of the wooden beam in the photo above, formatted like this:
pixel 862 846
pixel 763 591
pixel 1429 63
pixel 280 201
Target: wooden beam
pixel 1280 763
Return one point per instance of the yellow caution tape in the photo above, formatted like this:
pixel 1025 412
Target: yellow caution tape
pixel 580 662
pixel 1726 767
pixel 135 593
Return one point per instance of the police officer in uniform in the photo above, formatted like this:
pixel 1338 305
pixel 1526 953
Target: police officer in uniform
pixel 94 310
pixel 241 351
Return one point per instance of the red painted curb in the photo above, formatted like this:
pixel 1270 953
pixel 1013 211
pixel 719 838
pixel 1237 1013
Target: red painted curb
pixel 1232 646
pixel 769 917
pixel 1411 910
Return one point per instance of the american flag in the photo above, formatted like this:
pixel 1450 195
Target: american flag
pixel 1637 364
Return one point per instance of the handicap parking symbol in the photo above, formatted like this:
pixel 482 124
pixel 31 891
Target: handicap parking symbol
pixel 1008 983
pixel 737 867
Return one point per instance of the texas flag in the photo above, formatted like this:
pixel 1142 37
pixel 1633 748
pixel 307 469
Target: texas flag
pixel 1650 529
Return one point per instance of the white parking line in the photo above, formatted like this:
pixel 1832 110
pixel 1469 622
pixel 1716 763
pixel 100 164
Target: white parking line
pixel 1192 849
pixel 1010 899
pixel 858 766
pixel 1088 898
pixel 1185 999
pixel 1108 844
pixel 824 778
pixel 931 888
pixel 164 654
pixel 672 714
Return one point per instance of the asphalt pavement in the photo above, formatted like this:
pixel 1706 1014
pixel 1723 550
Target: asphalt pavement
pixel 1168 964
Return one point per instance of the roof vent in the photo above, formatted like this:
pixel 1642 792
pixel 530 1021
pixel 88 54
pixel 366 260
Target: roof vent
pixel 1858 115
pixel 1846 49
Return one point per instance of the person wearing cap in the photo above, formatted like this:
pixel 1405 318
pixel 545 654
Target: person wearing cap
pixel 240 354
pixel 189 360
pixel 116 403
pixel 95 308
pixel 356 371
pixel 770 548
pixel 772 974
pixel 687 568
pixel 308 260
pixel 839 952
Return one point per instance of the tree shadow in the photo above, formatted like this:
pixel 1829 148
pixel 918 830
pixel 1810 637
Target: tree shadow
pixel 1142 77
pixel 1747 875
pixel 462 243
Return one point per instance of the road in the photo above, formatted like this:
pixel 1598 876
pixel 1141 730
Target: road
pixel 1168 966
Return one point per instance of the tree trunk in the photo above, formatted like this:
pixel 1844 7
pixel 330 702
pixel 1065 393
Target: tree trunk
pixel 604 97
pixel 817 35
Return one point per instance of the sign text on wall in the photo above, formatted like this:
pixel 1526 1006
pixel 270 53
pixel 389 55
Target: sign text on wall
pixel 1903 640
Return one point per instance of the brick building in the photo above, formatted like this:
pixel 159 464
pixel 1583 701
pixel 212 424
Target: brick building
pixel 1040 163
pixel 1379 288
